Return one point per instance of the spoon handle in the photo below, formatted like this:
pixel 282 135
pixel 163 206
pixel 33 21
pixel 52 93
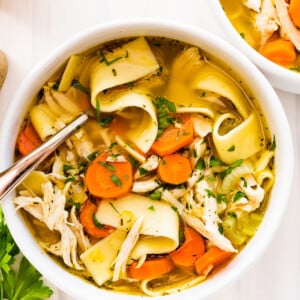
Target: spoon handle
pixel 14 175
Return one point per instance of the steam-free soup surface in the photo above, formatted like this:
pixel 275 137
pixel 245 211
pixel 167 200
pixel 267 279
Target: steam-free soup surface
pixel 166 182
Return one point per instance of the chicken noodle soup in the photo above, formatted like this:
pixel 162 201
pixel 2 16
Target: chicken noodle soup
pixel 166 182
pixel 269 26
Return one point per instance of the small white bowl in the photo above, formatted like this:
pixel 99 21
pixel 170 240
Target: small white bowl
pixel 242 66
pixel 280 77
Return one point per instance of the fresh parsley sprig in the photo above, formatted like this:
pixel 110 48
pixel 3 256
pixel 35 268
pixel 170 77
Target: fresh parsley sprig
pixel 25 283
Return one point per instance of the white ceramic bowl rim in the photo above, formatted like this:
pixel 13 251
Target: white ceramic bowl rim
pixel 279 76
pixel 255 81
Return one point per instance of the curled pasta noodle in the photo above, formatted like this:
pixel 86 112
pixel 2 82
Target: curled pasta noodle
pixel 265 178
pixel 264 160
pixel 245 137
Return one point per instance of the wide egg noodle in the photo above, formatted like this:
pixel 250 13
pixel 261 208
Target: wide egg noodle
pixel 157 235
pixel 245 138
pixel 143 132
pixel 210 78
pixel 124 64
pixel 99 258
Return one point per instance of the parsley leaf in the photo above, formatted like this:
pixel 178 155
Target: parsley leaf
pixel 164 108
pixel 25 283
pixel 108 166
pixel 116 180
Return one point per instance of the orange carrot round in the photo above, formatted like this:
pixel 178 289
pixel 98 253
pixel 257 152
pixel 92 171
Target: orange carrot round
pixel 174 138
pixel 108 179
pixel 280 51
pixel 192 248
pixel 151 268
pixel 86 218
pixel 294 11
pixel 209 260
pixel 28 140
pixel 174 169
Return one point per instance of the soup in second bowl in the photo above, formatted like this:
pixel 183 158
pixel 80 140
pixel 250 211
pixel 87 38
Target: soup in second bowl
pixel 165 183
pixel 270 26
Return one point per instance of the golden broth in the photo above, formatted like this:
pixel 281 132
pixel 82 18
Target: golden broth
pixel 176 81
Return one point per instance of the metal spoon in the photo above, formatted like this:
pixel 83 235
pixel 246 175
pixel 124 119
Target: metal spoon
pixel 14 175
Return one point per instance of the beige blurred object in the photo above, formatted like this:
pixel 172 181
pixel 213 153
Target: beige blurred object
pixel 3 67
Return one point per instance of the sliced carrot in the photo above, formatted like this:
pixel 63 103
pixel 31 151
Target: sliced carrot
pixel 209 260
pixel 151 268
pixel 294 11
pixel 174 138
pixel 174 169
pixel 192 248
pixel 108 179
pixel 280 51
pixel 87 219
pixel 28 140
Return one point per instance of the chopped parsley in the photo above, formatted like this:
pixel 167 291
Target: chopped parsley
pixel 200 164
pixel 273 145
pixel 133 161
pixel 242 34
pixel 164 108
pixel 96 222
pixel 76 84
pixel 151 207
pixel 92 155
pixel 102 121
pixel 214 162
pixel 116 180
pixel 108 166
pixel 114 208
pixel 244 182
pixel 109 62
pixel 233 165
pixel 210 193
pixel 231 149
pixel 155 195
pixel 221 198
pixel 232 214
pixel 238 195
pixel 143 171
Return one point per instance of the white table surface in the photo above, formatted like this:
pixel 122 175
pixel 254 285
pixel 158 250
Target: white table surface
pixel 30 29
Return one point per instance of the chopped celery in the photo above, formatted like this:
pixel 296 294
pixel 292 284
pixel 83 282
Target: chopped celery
pixel 230 231
pixel 252 225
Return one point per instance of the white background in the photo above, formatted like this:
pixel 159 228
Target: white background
pixel 30 29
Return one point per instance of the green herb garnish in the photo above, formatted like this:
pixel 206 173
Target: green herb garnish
pixel 76 84
pixel 151 207
pixel 200 164
pixel 108 166
pixel 238 195
pixel 143 171
pixel 155 195
pixel 24 282
pixel 214 162
pixel 97 223
pixel 92 155
pixel 231 149
pixel 116 180
pixel 164 108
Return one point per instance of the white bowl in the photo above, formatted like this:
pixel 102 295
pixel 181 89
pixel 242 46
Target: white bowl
pixel 280 77
pixel 261 88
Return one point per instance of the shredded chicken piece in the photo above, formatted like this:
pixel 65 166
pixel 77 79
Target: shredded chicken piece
pixel 149 165
pixel 254 195
pixel 126 248
pixel 197 148
pixel 83 146
pixel 210 232
pixel 145 185
pixel 202 125
pixel 51 211
pixel 196 174
pixel 77 228
pixel 253 4
pixel 287 26
pixel 267 21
